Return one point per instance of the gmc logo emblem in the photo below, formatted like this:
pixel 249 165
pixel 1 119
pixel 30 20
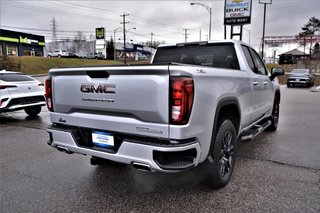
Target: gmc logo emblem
pixel 101 88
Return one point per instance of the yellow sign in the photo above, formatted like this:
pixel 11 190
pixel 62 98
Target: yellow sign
pixel 24 40
pixel 100 33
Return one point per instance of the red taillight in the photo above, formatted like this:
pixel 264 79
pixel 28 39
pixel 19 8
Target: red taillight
pixel 49 95
pixel 181 93
pixel 7 86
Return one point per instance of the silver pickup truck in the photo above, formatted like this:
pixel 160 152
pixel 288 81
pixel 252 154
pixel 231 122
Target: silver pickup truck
pixel 190 105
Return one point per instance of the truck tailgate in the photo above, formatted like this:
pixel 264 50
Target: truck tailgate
pixel 134 92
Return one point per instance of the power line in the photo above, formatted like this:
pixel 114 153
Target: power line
pixel 47 30
pixel 151 22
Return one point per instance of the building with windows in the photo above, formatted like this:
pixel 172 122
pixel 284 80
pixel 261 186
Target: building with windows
pixel 14 43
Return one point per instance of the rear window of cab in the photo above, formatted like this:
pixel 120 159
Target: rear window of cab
pixel 15 78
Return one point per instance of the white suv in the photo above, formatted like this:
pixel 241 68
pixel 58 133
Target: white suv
pixel 58 53
pixel 19 92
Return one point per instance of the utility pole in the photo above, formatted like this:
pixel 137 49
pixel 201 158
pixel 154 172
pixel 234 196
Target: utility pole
pixel 151 39
pixel 124 22
pixel 186 34
pixel 200 35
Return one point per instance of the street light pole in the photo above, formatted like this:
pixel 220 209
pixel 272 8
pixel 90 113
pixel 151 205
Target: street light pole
pixel 249 31
pixel 209 9
pixel 114 46
pixel 265 2
pixel 125 36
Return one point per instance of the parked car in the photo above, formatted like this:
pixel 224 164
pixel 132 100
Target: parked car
pixel 75 55
pixel 20 92
pixel 58 53
pixel 95 56
pixel 300 77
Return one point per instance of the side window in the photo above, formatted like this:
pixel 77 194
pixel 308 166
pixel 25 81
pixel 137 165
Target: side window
pixel 258 63
pixel 248 57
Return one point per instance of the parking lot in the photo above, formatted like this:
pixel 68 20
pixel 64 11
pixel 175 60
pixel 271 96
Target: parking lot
pixel 275 172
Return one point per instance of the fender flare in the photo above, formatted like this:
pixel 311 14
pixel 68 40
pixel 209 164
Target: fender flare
pixel 223 102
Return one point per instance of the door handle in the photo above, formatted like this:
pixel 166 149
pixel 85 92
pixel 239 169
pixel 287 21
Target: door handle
pixel 255 83
pixel 265 82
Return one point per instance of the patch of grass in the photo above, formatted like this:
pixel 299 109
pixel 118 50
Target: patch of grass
pixel 40 65
pixel 269 66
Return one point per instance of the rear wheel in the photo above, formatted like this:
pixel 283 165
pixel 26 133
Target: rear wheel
pixel 224 153
pixel 275 116
pixel 33 111
pixel 288 85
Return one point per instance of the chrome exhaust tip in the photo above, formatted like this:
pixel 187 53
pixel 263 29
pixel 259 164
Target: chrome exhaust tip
pixel 63 149
pixel 141 166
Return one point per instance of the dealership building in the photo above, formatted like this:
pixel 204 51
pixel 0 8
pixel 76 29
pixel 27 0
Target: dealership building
pixel 14 43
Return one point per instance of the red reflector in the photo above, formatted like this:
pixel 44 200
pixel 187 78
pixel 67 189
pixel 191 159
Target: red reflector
pixel 182 90
pixel 49 94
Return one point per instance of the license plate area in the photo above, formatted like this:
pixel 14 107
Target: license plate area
pixel 102 139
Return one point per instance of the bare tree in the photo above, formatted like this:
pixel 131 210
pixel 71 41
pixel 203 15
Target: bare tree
pixel 78 42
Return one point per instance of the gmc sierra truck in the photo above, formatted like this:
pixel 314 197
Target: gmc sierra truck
pixel 190 105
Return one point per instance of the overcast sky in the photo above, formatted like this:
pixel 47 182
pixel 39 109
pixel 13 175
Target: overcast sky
pixel 166 19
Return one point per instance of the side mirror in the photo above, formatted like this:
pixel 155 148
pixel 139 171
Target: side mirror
pixel 276 71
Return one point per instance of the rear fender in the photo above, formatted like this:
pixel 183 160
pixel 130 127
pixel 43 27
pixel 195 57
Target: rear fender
pixel 232 101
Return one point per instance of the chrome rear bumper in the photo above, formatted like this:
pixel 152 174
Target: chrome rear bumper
pixel 157 157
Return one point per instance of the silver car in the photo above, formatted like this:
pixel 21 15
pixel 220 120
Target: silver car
pixel 300 77
pixel 20 92
pixel 95 56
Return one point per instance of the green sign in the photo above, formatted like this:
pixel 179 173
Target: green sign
pixel 100 33
pixel 25 40
pixel 2 38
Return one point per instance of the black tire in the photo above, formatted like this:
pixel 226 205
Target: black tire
pixel 33 111
pixel 59 56
pixel 224 153
pixel 275 116
pixel 288 85
pixel 49 56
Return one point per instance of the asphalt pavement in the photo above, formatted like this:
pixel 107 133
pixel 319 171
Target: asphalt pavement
pixel 275 172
